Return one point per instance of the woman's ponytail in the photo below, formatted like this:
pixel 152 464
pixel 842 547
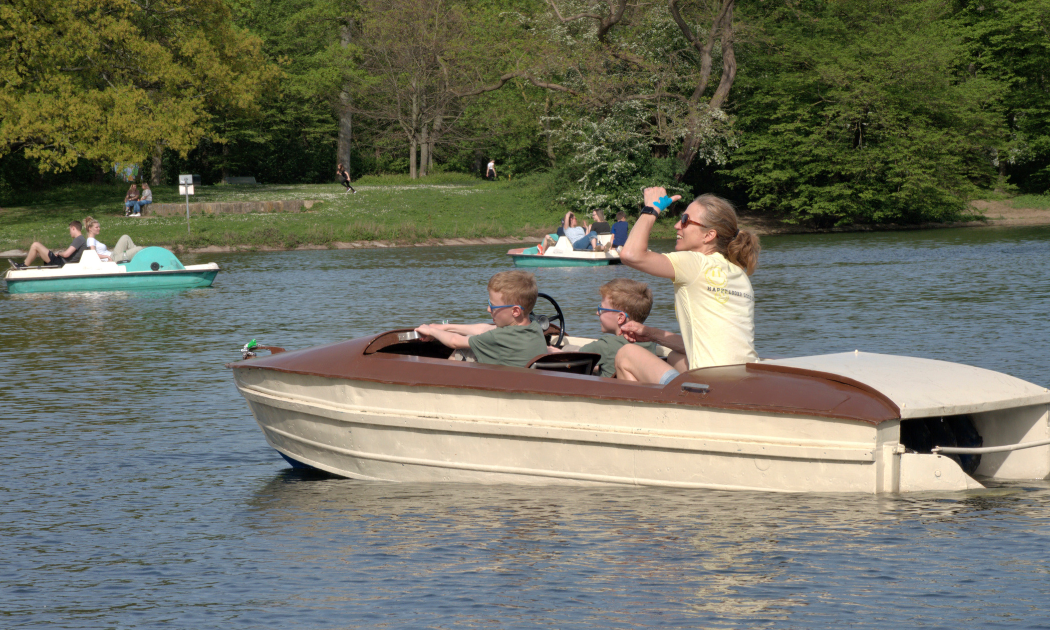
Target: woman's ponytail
pixel 743 251
pixel 740 247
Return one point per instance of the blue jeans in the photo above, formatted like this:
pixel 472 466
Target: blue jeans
pixel 585 242
pixel 137 205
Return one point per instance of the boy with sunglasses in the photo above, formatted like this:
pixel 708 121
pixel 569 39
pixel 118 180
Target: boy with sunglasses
pixel 623 300
pixel 511 339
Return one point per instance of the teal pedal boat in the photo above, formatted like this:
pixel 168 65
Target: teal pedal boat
pixel 151 268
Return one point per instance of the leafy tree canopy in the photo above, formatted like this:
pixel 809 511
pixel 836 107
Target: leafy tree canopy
pixel 107 80
pixel 862 111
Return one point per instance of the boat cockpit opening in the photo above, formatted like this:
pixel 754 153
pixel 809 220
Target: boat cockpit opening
pixel 921 435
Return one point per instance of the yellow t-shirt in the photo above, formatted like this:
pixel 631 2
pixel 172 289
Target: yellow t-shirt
pixel 715 306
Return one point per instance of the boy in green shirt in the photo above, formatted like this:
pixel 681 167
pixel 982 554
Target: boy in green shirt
pixel 623 300
pixel 511 339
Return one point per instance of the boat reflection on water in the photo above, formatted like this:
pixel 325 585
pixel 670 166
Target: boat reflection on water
pixel 727 556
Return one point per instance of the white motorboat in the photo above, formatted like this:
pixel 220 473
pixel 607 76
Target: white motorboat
pixel 391 407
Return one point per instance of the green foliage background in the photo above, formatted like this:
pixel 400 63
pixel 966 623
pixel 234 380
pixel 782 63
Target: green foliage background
pixel 843 111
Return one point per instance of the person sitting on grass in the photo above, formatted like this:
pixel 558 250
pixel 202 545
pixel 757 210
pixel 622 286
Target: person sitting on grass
pixel 623 300
pixel 70 254
pixel 511 339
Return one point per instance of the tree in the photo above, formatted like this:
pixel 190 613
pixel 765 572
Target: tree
pixel 110 80
pixel 1009 41
pixel 855 111
pixel 408 53
pixel 650 54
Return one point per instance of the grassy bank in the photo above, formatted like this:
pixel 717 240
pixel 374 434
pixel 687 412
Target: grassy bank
pixel 393 209
pixel 385 208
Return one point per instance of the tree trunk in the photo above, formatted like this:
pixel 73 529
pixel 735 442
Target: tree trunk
pixel 424 151
pixel 546 123
pixel 434 135
pixel 412 158
pixel 722 28
pixel 346 119
pixel 414 135
pixel 225 160
pixel 157 170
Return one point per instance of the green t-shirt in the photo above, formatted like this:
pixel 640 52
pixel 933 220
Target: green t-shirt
pixel 608 346
pixel 510 345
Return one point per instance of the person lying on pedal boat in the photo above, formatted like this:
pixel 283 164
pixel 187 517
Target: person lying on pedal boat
pixel 70 254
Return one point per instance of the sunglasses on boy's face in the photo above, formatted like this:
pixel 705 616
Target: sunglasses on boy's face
pixel 602 309
pixel 496 307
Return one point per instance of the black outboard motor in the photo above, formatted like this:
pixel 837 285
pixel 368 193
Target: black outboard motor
pixel 922 434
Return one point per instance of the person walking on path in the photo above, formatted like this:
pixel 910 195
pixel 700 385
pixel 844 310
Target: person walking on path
pixel 344 177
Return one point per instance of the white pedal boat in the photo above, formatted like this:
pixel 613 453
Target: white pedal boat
pixel 563 255
pixel 392 408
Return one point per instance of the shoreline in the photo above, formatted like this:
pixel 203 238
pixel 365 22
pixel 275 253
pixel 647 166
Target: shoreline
pixel 992 214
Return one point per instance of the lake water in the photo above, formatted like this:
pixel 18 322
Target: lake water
pixel 138 491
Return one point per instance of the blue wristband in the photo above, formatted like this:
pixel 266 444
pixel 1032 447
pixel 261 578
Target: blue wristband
pixel 662 203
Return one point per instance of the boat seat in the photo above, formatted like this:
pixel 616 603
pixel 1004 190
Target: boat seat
pixel 571 362
pixel 89 258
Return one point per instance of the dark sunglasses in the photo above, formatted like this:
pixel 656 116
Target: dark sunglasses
pixel 685 220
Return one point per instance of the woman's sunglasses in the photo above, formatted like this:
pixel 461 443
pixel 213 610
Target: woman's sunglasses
pixel 686 220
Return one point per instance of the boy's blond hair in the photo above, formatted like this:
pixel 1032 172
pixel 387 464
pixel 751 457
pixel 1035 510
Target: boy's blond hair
pixel 630 296
pixel 516 287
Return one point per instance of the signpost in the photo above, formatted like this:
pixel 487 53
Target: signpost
pixel 186 188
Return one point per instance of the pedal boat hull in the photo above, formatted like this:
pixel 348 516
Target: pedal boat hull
pixel 92 274
pixel 563 255
pixel 376 409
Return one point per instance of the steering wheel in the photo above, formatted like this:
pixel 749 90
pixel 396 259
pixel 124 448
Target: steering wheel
pixel 545 322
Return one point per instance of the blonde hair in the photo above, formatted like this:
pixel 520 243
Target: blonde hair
pixel 630 296
pixel 88 222
pixel 601 215
pixel 740 247
pixel 516 287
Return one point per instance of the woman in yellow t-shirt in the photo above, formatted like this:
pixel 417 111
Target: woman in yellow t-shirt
pixel 714 301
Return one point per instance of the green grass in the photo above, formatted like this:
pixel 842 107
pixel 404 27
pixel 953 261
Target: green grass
pixel 385 208
pixel 1037 202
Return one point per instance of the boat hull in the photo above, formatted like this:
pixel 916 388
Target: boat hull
pixel 390 409
pixel 532 260
pixel 530 439
pixel 182 279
